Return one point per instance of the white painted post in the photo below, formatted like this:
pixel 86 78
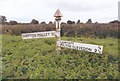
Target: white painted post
pixel 58 35
pixel 58 16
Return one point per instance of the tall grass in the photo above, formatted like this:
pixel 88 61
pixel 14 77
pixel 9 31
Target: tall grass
pixel 37 59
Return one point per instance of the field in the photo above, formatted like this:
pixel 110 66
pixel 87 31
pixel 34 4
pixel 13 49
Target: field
pixel 37 59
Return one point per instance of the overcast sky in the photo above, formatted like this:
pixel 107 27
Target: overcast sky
pixel 43 10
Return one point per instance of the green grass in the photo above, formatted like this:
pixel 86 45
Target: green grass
pixel 0 57
pixel 37 59
pixel 110 45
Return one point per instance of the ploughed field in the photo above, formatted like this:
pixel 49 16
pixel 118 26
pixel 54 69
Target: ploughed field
pixel 37 59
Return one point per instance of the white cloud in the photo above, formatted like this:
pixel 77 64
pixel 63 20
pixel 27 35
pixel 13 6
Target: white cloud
pixel 43 10
pixel 119 11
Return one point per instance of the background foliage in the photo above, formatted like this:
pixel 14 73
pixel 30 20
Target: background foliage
pixel 69 30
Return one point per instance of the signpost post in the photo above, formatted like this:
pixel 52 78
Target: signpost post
pixel 58 16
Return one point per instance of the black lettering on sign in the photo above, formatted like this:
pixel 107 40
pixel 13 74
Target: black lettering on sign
pixel 39 35
pixel 44 34
pixel 69 44
pixel 80 48
pixel 95 50
pixel 52 34
pixel 76 47
pixel 48 34
pixel 86 49
pixel 73 47
pixel 62 44
pixel 90 49
pixel 99 49
pixel 65 43
pixel 83 48
pixel 24 35
pixel 31 35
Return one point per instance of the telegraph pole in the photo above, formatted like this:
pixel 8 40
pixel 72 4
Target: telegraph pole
pixel 58 16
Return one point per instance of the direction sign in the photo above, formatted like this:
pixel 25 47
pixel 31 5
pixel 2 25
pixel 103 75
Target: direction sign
pixel 81 46
pixel 46 34
pixel 61 43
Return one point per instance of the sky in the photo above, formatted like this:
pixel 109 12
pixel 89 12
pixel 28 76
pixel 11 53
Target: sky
pixel 102 11
pixel 119 11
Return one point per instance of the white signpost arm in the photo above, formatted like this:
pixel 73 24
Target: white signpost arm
pixel 82 46
pixel 46 34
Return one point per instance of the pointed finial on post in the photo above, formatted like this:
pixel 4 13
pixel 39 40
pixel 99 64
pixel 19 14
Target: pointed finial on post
pixel 58 15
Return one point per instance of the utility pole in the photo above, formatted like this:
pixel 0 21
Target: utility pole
pixel 58 16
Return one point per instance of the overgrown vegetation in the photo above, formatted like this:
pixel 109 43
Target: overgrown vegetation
pixel 37 59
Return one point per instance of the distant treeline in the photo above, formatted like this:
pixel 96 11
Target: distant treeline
pixel 69 29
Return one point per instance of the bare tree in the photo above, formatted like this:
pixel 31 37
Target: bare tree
pixel 89 21
pixel 34 21
pixel 13 23
pixel 50 22
pixel 2 19
pixel 78 21
pixel 70 22
pixel 43 22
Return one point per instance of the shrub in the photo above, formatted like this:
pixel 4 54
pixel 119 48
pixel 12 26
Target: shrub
pixel 89 21
pixel 34 21
pixel 71 30
pixel 13 23
pixel 70 22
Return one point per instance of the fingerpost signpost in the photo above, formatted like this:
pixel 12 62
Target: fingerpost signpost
pixel 61 43
pixel 58 16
